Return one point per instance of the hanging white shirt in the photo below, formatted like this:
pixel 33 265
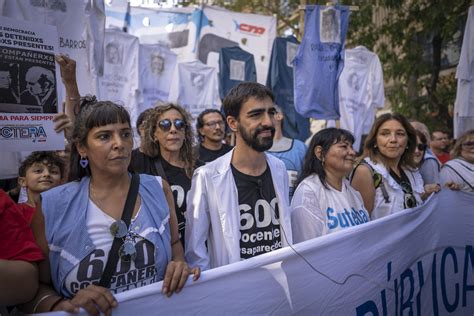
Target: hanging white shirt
pixel 361 91
pixel 119 82
pixel 196 87
pixel 80 24
pixel 317 211
pixel 464 104
pixel 157 64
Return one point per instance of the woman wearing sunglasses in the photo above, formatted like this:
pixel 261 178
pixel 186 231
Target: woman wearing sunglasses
pixel 387 177
pixel 458 173
pixel 169 141
pixel 83 228
pixel 324 202
pixel 427 165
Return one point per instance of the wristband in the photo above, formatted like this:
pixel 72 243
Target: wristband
pixel 41 301
pixel 77 98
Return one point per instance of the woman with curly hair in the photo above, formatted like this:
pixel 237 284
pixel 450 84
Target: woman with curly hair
pixel 168 142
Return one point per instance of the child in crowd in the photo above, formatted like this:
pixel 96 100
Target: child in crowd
pixel 39 172
pixel 18 255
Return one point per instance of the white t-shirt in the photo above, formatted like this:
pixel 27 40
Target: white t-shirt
pixel 464 104
pixel 156 68
pixel 361 91
pixel 119 83
pixel 196 88
pixel 80 24
pixel 128 275
pixel 458 171
pixel 317 211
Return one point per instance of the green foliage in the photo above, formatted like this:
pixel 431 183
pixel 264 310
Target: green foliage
pixel 409 42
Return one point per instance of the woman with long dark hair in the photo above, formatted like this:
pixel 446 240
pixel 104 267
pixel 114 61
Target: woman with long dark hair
pixel 324 202
pixel 387 177
pixel 83 229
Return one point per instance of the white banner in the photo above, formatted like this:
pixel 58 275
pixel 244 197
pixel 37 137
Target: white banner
pixel 415 262
pixel 28 83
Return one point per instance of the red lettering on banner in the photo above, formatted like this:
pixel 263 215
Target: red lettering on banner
pixel 251 28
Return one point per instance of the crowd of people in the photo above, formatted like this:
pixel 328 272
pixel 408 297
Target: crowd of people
pixel 101 217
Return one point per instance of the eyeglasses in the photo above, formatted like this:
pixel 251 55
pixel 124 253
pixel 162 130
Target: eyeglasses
pixel 408 197
pixel 421 147
pixel 468 144
pixel 165 125
pixel 127 251
pixel 213 124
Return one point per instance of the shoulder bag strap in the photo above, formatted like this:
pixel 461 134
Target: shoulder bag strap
pixel 113 257
pixel 159 168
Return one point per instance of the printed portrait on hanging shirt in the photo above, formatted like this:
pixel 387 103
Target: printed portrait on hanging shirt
pixel 330 26
pixel 354 81
pixel 157 64
pixel 237 70
pixel 197 80
pixel 113 53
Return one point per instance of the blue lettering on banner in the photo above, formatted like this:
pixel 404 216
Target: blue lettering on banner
pixel 345 219
pixel 22 132
pixel 446 282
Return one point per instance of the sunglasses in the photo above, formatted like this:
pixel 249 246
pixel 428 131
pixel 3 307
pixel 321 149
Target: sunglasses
pixel 408 197
pixel 165 125
pixel 421 147
pixel 468 144
pixel 127 251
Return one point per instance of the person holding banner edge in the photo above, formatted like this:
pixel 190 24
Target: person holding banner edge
pixel 76 223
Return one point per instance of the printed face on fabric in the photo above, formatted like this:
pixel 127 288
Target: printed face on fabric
pixel 41 177
pixel 256 123
pixel 392 139
pixel 340 158
pixel 467 150
pixel 214 127
pixel 172 139
pixel 419 151
pixel 108 148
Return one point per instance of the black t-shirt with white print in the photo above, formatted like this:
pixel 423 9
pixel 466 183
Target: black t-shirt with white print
pixel 260 230
pixel 180 184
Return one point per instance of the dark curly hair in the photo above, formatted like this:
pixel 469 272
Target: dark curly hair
pixel 49 158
